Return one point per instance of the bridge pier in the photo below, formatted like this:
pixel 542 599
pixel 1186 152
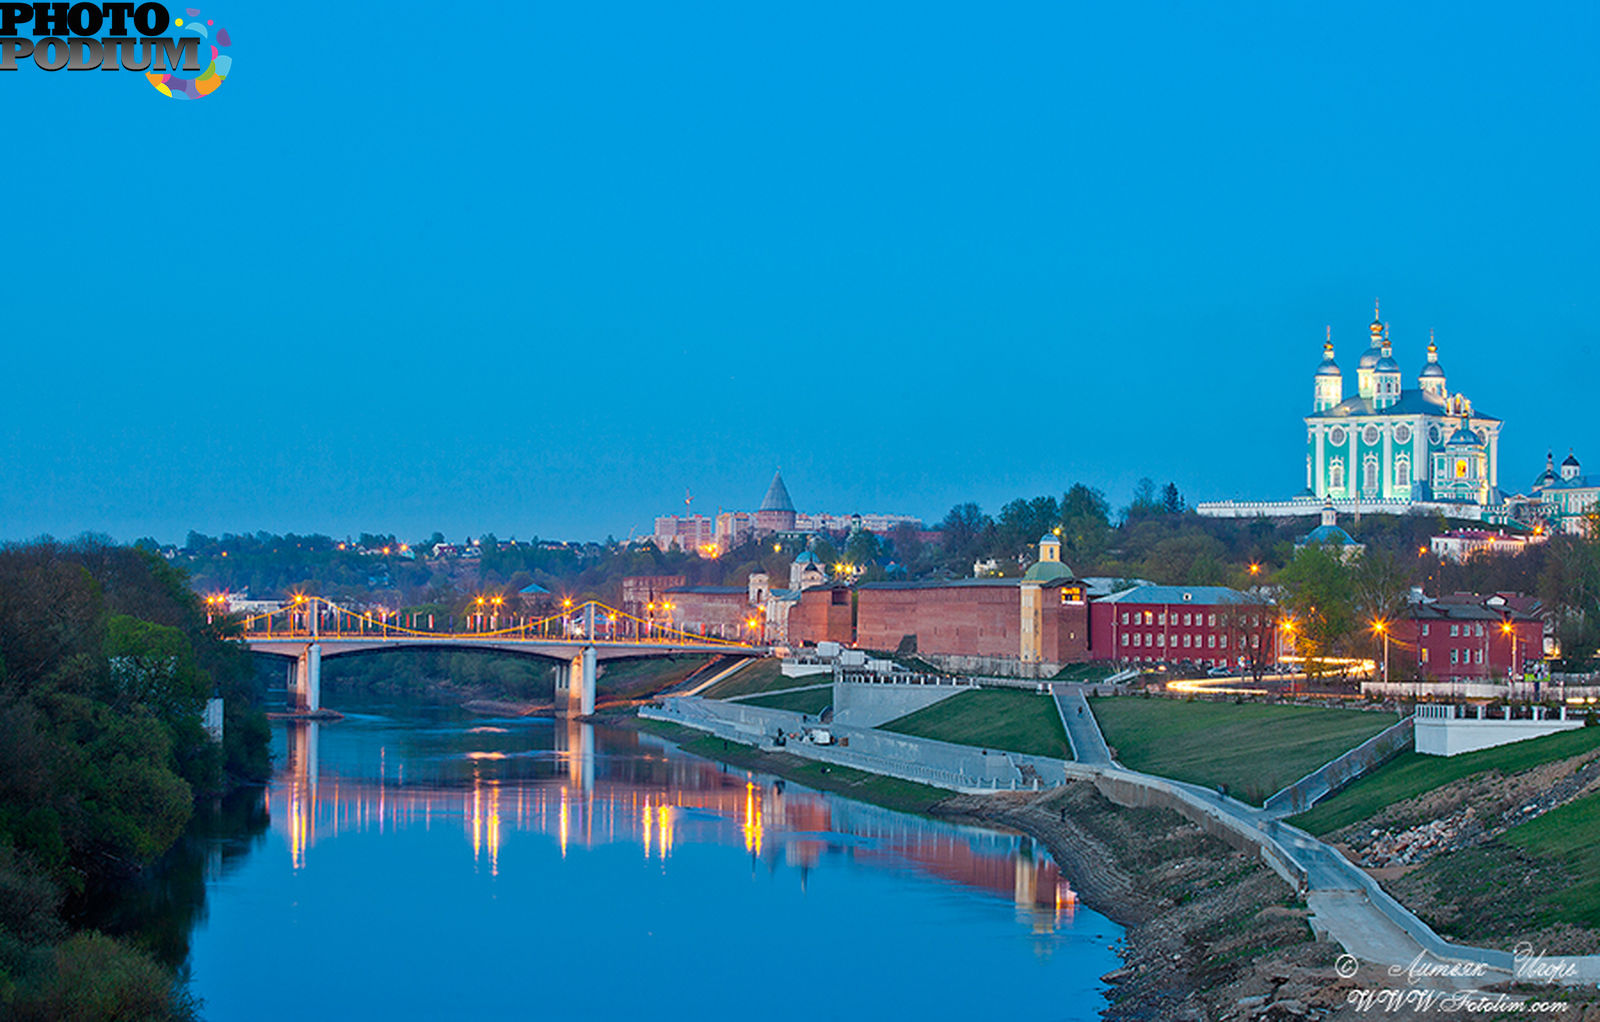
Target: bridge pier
pixel 575 683
pixel 563 673
pixel 586 672
pixel 308 679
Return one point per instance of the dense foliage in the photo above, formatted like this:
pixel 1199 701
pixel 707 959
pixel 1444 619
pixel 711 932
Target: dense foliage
pixel 106 662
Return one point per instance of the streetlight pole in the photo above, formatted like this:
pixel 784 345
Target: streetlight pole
pixel 1382 628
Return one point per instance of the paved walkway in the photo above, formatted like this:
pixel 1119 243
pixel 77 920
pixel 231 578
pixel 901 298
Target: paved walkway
pixel 1347 904
pixel 1088 744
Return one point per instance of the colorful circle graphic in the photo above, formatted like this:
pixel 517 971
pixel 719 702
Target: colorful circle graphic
pixel 171 83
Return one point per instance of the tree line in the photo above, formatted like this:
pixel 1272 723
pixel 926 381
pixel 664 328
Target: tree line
pixel 106 663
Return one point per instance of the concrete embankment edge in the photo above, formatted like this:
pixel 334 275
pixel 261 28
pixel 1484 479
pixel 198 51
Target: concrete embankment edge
pixel 1356 911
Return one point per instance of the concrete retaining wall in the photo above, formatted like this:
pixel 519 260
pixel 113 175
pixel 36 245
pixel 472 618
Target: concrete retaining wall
pixel 1453 737
pixel 1336 773
pixel 868 705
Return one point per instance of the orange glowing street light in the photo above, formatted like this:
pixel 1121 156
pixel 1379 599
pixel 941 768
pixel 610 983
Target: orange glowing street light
pixel 1505 627
pixel 1255 569
pixel 1382 628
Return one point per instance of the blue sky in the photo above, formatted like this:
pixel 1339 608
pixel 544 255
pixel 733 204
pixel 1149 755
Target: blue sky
pixel 538 269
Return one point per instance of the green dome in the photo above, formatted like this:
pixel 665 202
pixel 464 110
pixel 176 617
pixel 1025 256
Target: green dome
pixel 1048 571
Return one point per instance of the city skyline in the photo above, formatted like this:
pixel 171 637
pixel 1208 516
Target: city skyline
pixel 673 252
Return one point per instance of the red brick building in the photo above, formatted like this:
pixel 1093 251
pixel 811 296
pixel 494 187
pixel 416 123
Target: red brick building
pixel 724 612
pixel 1207 626
pixel 1031 626
pixel 977 617
pixel 644 595
pixel 1467 636
pixel 822 614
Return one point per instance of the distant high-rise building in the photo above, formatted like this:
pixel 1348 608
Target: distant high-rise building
pixel 690 533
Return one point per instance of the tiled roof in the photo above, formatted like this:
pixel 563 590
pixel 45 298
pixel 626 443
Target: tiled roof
pixel 777 498
pixel 1412 402
pixel 1203 595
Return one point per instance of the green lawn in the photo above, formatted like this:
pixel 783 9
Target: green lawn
pixel 1253 749
pixel 1087 673
pixel 995 718
pixel 758 676
pixel 645 676
pixel 1411 773
pixel 813 701
pixel 1571 834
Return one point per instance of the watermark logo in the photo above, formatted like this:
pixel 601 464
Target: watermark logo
pixel 183 56
pixel 1426 985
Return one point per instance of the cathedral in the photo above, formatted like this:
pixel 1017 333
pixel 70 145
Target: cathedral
pixel 1388 446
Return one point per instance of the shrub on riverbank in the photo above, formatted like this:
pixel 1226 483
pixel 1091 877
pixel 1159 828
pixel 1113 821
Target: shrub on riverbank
pixel 106 661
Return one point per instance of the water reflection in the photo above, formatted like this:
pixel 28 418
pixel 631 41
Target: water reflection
pixel 507 778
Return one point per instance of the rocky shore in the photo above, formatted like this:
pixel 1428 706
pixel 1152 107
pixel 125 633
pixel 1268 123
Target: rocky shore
pixel 1212 933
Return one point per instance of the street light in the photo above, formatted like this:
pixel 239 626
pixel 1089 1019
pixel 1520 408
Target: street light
pixel 1382 628
pixel 1506 627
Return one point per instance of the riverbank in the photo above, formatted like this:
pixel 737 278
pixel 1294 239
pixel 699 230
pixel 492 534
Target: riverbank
pixel 1206 925
pixel 889 792
pixel 1211 932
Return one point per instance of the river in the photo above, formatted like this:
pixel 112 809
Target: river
pixel 422 863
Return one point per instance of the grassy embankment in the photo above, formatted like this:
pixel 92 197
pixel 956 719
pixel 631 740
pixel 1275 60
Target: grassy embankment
pixel 993 718
pixel 1411 774
pixel 889 792
pixel 1086 673
pixel 764 675
pixel 767 676
pixel 641 678
pixel 1537 880
pixel 1254 749
pixel 811 701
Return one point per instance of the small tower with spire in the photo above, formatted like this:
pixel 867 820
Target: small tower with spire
pixel 1431 379
pixel 1366 369
pixel 1385 376
pixel 1328 386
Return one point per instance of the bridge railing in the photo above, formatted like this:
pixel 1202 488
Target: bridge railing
pixel 314 617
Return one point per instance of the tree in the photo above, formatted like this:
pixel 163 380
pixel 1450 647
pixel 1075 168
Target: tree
pixel 1085 524
pixel 1251 627
pixel 1145 499
pixel 962 529
pixel 1569 587
pixel 861 549
pixel 907 545
pixel 1380 583
pixel 1023 522
pixel 1319 597
pixel 1171 500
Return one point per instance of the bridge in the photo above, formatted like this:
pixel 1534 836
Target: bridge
pixel 310 629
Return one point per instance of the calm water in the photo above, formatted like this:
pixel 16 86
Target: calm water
pixel 407 864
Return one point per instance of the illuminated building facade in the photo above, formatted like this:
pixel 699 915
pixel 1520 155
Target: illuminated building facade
pixel 1390 445
pixel 1568 499
pixel 1389 448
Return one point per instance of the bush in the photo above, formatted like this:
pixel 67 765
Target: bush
pixel 93 978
